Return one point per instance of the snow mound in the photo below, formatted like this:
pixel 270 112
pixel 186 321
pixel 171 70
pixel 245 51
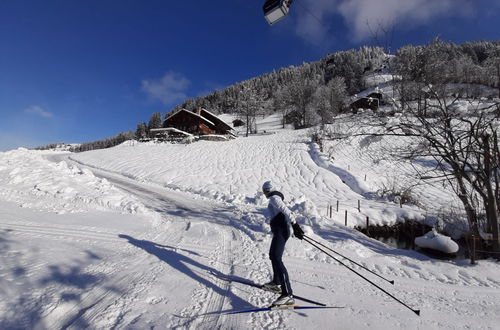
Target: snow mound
pixel 436 241
pixel 29 179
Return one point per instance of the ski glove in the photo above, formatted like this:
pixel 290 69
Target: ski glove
pixel 297 231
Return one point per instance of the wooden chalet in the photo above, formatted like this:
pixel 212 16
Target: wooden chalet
pixel 371 101
pixel 238 123
pixel 201 122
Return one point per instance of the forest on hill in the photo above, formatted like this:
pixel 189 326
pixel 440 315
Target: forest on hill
pixel 436 63
pixel 314 93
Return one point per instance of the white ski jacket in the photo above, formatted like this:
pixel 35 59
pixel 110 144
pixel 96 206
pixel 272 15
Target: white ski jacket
pixel 276 205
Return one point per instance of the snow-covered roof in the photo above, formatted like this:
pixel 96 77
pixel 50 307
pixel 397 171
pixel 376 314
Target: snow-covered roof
pixel 170 129
pixel 191 113
pixel 208 112
pixel 215 116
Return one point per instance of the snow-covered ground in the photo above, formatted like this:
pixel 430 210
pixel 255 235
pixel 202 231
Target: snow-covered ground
pixel 234 171
pixel 130 237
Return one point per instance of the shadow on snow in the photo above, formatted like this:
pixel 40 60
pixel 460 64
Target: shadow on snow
pixel 186 266
pixel 26 308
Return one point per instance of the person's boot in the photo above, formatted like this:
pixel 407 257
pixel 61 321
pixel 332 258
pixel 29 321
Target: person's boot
pixel 284 300
pixel 271 286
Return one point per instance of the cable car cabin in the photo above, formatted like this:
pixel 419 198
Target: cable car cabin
pixel 274 10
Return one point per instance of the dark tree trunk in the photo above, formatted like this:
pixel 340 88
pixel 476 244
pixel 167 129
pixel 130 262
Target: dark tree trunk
pixel 491 204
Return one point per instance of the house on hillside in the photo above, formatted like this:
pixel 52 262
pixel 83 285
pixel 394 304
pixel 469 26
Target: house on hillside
pixel 372 101
pixel 201 122
pixel 169 134
pixel 238 123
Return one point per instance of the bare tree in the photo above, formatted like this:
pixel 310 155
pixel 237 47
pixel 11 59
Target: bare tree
pixel 300 94
pixel 249 106
pixel 464 145
pixel 282 103
pixel 383 34
pixel 331 99
pixel 493 64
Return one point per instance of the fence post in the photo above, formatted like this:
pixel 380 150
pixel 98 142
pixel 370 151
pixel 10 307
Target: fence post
pixel 367 224
pixel 337 205
pixel 359 206
pixel 346 218
pixel 365 177
pixel 473 252
pixel 331 211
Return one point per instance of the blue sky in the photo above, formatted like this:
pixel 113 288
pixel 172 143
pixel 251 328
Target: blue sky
pixel 77 71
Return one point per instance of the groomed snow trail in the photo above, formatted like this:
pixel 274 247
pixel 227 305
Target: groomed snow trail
pixel 194 239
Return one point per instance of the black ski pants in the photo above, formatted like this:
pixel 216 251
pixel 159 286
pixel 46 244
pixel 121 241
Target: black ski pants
pixel 281 233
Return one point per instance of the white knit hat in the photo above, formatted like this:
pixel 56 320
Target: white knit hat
pixel 268 186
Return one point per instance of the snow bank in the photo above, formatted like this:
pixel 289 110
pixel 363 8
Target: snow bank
pixel 30 180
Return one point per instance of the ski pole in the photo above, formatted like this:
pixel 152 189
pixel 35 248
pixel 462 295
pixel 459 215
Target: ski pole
pixel 354 262
pixel 355 272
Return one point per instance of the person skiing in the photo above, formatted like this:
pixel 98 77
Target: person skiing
pixel 281 217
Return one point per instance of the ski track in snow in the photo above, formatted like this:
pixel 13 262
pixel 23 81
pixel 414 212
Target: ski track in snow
pixel 211 294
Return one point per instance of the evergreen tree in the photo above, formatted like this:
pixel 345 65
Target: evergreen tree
pixel 155 121
pixel 141 132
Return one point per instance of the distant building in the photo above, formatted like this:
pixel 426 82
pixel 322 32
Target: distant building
pixel 371 101
pixel 201 122
pixel 238 123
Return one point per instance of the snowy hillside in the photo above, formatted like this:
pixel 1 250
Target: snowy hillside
pixel 132 237
pixel 234 172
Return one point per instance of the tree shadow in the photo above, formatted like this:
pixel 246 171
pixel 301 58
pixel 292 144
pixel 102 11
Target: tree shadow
pixel 186 266
pixel 73 277
pixel 20 311
pixel 28 308
pixel 75 283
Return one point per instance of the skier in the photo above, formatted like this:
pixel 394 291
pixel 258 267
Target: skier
pixel 281 217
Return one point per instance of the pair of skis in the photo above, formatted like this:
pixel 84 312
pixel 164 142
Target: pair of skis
pixel 319 305
pixel 278 308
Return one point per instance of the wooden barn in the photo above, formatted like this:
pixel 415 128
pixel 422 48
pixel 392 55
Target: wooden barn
pixel 371 101
pixel 201 122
